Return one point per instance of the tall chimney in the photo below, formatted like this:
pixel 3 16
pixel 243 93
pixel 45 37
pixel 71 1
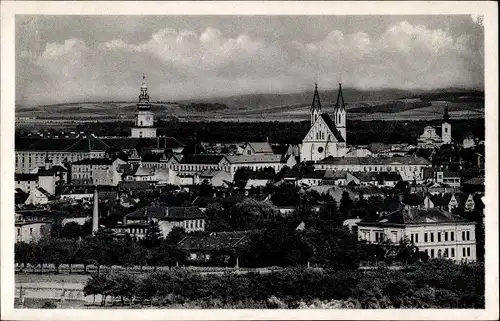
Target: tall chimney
pixel 95 213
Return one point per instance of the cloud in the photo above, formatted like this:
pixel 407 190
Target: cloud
pixel 183 64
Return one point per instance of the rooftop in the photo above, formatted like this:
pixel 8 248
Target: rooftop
pixel 405 216
pixel 220 241
pixel 168 213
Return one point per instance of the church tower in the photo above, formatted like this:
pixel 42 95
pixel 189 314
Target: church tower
pixel 446 127
pixel 339 114
pixel 316 106
pixel 144 124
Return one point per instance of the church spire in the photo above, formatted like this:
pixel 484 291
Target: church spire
pixel 144 96
pixel 315 106
pixel 340 99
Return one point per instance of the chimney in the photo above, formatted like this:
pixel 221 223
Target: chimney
pixel 95 213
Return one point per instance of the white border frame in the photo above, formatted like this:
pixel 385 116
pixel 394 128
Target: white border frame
pixel 8 11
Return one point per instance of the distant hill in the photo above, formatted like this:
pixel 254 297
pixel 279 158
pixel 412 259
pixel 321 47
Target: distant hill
pixel 351 95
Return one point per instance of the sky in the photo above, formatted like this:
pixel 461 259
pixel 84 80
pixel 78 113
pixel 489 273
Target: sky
pixel 101 58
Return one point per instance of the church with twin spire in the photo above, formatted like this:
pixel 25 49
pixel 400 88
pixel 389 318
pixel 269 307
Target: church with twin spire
pixel 327 136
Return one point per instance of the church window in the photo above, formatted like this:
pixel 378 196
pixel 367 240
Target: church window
pixel 320 149
pixel 339 118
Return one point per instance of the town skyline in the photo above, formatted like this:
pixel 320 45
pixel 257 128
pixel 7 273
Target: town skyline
pixel 89 58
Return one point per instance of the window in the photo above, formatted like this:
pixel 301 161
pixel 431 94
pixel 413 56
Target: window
pixel 463 252
pixel 18 232
pixel 439 253
pixel 31 231
pixel 468 235
pixel 452 236
pixel 452 252
pixel 446 236
pixel 432 253
pixel 432 237
pixel 446 252
pixel 427 252
pixel 439 236
pixel 411 238
pixel 416 238
pixel 425 238
pixel 468 251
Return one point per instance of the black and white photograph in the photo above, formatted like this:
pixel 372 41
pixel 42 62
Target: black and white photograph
pixel 237 160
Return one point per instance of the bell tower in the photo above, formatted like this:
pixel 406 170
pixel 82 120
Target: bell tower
pixel 339 114
pixel 446 127
pixel 315 106
pixel 144 123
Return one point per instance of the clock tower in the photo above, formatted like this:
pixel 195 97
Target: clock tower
pixel 144 123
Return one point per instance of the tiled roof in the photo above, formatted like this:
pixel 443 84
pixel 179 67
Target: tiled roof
pixel 315 174
pixel 241 159
pixel 378 147
pixel 168 212
pixel 201 159
pixel 261 147
pixel 416 216
pixel 279 149
pixel 134 185
pixel 220 241
pixel 413 199
pixel 331 125
pixel 94 161
pixel 25 177
pixel 396 160
pixel 94 144
pixel 475 181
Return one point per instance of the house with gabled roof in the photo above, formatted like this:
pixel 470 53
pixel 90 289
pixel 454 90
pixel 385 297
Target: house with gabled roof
pixel 438 233
pixel 219 248
pixel 254 148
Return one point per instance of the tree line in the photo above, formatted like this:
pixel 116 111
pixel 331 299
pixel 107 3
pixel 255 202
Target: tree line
pixel 358 132
pixel 435 284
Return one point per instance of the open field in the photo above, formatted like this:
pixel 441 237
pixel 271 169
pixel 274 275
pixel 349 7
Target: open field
pixel 103 112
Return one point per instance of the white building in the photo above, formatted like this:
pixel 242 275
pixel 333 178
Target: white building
pixel 410 168
pixel 435 232
pixel 326 137
pixel 430 139
pixel 96 171
pixel 144 124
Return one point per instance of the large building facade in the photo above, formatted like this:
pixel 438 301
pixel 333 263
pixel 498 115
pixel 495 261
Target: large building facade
pixel 144 123
pixel 436 232
pixel 327 136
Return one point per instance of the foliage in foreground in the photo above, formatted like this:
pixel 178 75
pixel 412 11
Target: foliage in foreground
pixel 435 284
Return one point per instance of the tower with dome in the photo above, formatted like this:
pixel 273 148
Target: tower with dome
pixel 144 123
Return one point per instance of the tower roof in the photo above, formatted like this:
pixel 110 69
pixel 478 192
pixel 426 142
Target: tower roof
pixel 446 116
pixel 316 104
pixel 340 99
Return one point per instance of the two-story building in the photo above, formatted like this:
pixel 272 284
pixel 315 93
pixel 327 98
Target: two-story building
pixel 410 168
pixel 436 232
pixel 97 171
pixel 190 218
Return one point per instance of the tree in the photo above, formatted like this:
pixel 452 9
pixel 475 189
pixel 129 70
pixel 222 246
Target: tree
pixel 71 230
pixel 23 253
pixel 176 235
pixel 153 235
pixel 72 255
pixel 103 248
pixel 345 204
pixel 276 245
